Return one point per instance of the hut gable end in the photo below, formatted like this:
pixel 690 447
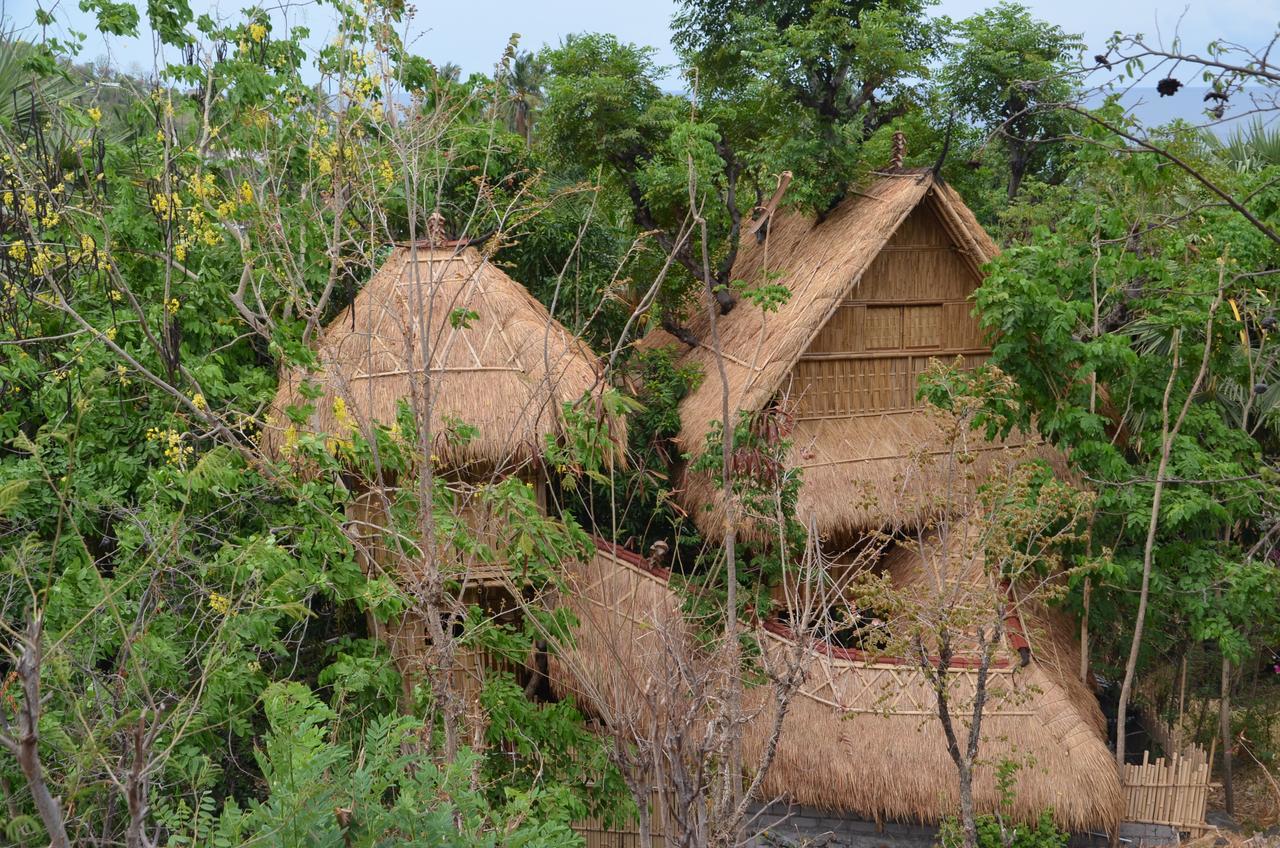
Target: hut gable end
pixel 878 287
pixel 912 303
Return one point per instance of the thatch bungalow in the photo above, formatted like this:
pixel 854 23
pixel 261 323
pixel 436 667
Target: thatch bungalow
pixel 878 287
pixel 446 331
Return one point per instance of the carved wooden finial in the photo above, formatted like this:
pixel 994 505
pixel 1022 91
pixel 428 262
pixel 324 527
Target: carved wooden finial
pixel 435 229
pixel 899 149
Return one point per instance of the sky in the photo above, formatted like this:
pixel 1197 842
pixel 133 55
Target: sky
pixel 473 33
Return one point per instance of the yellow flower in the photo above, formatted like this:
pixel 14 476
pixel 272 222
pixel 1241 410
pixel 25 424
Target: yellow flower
pixel 246 192
pixel 8 198
pixel 160 136
pixel 257 32
pixel 29 204
pixel 290 440
pixel 110 333
pixel 172 305
pixel 95 115
pixel 115 296
pixel 18 250
pixel 219 603
pixel 86 243
pixel 198 401
pixel 180 252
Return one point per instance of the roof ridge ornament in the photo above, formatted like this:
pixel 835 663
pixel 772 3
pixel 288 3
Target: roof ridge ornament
pixel 435 229
pixel 899 150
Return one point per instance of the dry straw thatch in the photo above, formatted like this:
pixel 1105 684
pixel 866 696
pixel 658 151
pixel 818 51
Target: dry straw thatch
pixel 854 466
pixel 496 359
pixel 861 737
pixel 873 472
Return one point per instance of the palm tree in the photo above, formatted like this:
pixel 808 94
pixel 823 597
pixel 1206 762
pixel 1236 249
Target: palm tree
pixel 1249 148
pixel 524 82
pixel 23 96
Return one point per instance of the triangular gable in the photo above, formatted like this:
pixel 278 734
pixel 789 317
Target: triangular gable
pixel 819 263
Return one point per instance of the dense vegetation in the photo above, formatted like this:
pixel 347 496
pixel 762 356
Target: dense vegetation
pixel 185 634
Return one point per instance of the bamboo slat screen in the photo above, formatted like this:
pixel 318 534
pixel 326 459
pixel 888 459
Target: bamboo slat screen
pixel 626 835
pixel 911 304
pixel 841 388
pixel 1171 790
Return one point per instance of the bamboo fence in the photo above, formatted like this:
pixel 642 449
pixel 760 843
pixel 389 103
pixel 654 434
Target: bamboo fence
pixel 1172 790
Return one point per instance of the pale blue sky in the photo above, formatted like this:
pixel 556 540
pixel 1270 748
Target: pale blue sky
pixel 473 33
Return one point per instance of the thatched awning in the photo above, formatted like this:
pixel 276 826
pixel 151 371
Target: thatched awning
pixel 874 472
pixel 452 327
pixel 861 737
pixel 852 466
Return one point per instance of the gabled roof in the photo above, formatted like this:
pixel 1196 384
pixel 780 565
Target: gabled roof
pixel 497 360
pixel 855 470
pixel 819 263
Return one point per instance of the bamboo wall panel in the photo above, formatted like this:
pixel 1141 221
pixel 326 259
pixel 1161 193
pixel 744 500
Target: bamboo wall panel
pixel 967 363
pixel 961 330
pixel 842 388
pixel 596 834
pixel 839 387
pixel 844 333
pixel 916 274
pixel 883 327
pixel 1170 790
pixel 922 326
pixel 922 228
pixel 913 303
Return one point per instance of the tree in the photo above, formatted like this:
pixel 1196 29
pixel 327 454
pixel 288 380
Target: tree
pixel 795 88
pixel 1142 286
pixel 990 551
pixel 1005 70
pixel 524 81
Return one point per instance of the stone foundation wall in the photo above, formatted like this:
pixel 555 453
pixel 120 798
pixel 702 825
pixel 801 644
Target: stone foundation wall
pixel 794 826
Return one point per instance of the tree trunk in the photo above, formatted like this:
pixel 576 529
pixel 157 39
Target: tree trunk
pixel 1167 435
pixel 968 821
pixel 1224 726
pixel 1084 636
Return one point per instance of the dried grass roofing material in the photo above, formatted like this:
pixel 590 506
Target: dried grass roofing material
pixel 860 737
pixel 498 361
pixel 820 264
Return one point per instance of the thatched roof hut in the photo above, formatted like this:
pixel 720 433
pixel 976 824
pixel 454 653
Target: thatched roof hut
pixel 878 288
pixel 448 332
pixel 862 736
pixel 497 361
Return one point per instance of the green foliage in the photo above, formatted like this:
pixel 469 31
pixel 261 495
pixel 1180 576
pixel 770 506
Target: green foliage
pixel 385 792
pixel 1005 72
pixel 994 830
pixel 1094 381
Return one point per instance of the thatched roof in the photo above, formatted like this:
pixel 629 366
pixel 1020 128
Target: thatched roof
pixel 873 472
pixel 862 736
pixel 820 263
pixel 497 361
